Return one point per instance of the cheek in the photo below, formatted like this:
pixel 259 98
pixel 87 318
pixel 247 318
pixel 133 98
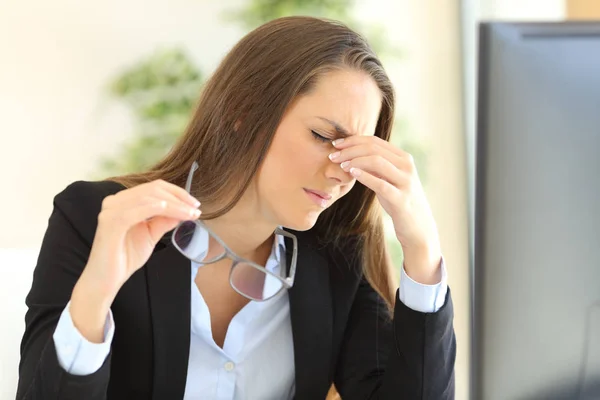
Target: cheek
pixel 295 155
pixel 309 157
pixel 346 188
pixel 281 169
pixel 286 160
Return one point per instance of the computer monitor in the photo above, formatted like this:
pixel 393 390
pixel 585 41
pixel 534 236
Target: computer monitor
pixel 536 270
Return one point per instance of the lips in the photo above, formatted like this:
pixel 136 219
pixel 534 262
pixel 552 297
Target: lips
pixel 322 199
pixel 323 195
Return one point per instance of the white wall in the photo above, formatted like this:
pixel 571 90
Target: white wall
pixel 522 9
pixel 16 269
pixel 57 58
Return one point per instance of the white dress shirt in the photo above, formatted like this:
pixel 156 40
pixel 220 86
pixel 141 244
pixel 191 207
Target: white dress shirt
pixel 257 358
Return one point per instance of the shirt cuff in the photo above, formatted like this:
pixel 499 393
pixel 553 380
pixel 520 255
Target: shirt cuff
pixel 420 297
pixel 76 355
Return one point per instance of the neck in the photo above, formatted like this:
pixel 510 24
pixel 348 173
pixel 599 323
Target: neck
pixel 245 231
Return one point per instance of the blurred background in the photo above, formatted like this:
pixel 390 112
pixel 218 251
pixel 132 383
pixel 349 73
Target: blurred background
pixel 91 89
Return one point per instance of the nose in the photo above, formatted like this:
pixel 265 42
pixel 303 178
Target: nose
pixel 334 172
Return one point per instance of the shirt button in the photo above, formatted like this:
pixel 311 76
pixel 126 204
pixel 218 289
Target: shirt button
pixel 229 366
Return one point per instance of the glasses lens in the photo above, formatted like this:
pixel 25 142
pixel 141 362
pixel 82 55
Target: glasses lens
pixel 193 240
pixel 254 282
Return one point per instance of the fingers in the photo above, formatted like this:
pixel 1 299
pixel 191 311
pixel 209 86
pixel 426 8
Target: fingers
pixel 147 201
pixel 177 192
pixel 145 210
pixel 157 188
pixel 379 186
pixel 167 208
pixel 356 140
pixel 404 162
pixel 380 168
pixel 158 226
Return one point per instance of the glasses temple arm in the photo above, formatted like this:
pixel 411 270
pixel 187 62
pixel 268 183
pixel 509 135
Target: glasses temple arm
pixel 188 183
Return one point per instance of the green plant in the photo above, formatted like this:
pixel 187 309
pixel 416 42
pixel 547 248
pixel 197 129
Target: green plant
pixel 160 91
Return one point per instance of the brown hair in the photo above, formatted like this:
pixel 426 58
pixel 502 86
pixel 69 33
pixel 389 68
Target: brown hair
pixel 255 83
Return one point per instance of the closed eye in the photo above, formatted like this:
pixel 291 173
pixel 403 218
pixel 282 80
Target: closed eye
pixel 319 137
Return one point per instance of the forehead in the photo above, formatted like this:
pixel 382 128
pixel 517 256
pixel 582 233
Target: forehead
pixel 350 98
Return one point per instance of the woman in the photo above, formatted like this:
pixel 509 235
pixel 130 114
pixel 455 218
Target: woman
pixel 283 287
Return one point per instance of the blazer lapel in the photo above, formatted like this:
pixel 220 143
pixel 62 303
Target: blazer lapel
pixel 169 282
pixel 311 316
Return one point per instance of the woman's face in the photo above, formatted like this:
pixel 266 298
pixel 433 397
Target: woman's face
pixel 297 162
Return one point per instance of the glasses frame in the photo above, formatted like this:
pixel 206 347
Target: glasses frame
pixel 287 282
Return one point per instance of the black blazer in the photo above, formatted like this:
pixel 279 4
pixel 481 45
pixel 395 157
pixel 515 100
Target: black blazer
pixel 341 331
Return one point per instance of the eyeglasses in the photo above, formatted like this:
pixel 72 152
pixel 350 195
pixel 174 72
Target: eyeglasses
pixel 249 279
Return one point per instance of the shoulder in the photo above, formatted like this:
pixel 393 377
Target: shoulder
pixel 345 253
pixel 88 192
pixel 81 202
pixel 343 257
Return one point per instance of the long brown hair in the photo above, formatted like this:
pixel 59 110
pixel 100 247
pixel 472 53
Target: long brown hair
pixel 255 83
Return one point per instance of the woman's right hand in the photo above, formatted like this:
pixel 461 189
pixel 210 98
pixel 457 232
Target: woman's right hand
pixel 130 224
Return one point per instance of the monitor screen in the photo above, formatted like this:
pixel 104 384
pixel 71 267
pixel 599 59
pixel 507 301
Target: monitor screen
pixel 536 271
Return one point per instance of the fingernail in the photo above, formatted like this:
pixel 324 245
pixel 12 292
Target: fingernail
pixel 335 155
pixel 195 212
pixel 355 171
pixel 344 164
pixel 337 141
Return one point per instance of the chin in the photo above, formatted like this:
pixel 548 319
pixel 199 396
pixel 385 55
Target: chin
pixel 302 222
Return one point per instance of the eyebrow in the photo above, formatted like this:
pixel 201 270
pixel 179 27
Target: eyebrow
pixel 340 130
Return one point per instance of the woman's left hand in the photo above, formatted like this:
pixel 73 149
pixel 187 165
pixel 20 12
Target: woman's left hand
pixel 391 173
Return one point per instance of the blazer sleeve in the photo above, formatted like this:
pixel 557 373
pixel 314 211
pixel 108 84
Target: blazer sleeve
pixel 63 255
pixel 410 356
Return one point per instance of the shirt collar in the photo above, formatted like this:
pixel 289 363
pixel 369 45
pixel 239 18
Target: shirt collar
pixel 275 258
